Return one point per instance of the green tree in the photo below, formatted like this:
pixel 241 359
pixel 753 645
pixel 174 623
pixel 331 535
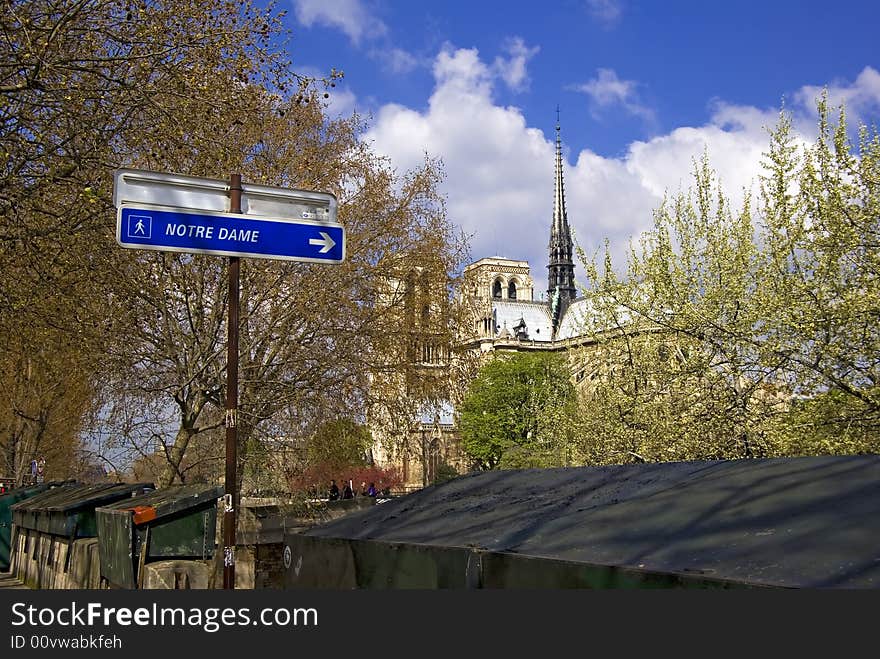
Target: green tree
pixel 509 415
pixel 770 312
pixel 821 262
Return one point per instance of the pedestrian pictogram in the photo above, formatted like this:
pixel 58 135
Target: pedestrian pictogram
pixel 140 226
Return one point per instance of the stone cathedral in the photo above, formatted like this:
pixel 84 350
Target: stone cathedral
pixel 506 316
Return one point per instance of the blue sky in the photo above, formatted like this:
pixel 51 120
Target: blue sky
pixel 643 89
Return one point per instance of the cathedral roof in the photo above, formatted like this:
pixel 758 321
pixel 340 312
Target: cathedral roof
pixel 579 315
pixel 498 260
pixel 581 318
pixel 535 314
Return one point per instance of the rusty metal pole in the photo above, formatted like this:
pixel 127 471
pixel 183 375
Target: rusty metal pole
pixel 230 498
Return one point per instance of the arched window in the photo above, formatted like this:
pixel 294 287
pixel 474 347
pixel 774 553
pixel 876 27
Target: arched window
pixel 511 291
pixel 496 289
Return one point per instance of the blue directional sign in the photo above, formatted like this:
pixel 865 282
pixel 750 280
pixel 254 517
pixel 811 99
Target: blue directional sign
pixel 229 234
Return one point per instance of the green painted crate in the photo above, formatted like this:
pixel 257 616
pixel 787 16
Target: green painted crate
pixel 69 510
pixel 171 523
pixel 7 500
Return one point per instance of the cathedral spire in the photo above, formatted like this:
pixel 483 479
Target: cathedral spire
pixel 560 219
pixel 561 266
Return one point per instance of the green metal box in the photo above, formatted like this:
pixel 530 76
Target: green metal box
pixel 69 510
pixel 7 500
pixel 172 523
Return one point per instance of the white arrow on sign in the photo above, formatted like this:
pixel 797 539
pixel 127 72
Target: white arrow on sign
pixel 324 240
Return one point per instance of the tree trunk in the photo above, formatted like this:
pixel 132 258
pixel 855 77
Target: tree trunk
pixel 171 473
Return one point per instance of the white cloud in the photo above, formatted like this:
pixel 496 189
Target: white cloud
pixel 395 60
pixel 512 69
pixel 606 91
pixel 500 170
pixel 606 12
pixel 462 70
pixel 350 16
pixel 861 98
pixel 355 19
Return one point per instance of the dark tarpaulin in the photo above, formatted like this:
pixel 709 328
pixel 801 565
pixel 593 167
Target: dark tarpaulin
pixel 796 522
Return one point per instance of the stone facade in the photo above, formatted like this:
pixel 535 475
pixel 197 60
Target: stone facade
pixel 500 278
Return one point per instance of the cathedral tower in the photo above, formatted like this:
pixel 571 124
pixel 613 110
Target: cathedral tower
pixel 560 276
